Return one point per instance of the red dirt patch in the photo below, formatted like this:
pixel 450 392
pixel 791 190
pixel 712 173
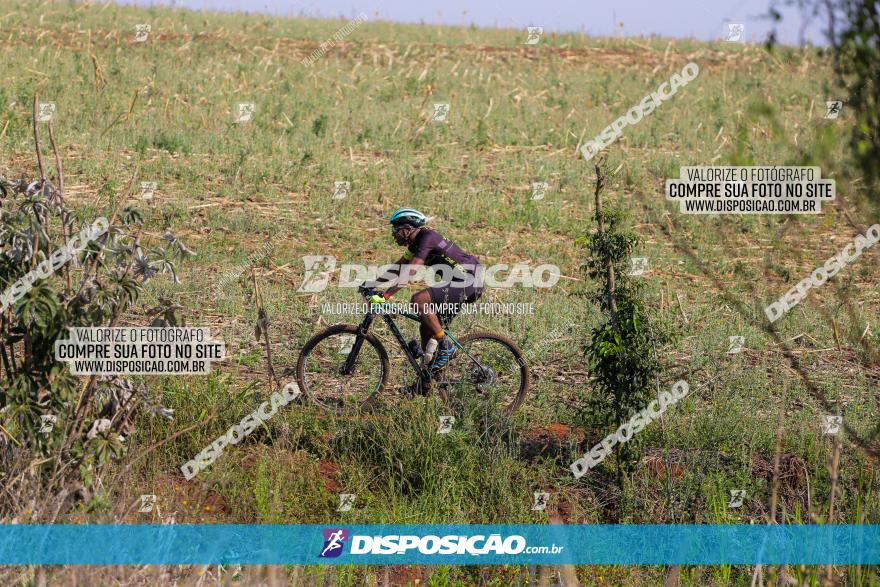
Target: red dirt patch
pixel 552 440
pixel 329 471
pixel 180 502
pixel 407 575
pixel 660 466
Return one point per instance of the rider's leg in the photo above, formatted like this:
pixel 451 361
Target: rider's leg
pixel 425 333
pixel 437 296
pixel 430 324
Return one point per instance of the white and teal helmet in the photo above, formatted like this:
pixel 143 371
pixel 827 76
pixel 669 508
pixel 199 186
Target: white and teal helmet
pixel 408 216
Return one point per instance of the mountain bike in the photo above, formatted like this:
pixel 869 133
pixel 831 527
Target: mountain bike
pixel 345 367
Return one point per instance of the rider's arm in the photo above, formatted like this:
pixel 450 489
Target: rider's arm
pixel 406 269
pixel 406 266
pixel 390 276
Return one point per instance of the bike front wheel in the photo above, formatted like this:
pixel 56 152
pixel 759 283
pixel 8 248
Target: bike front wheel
pixel 489 367
pixel 341 370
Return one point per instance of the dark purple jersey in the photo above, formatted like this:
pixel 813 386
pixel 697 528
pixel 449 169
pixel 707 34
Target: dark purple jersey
pixel 433 249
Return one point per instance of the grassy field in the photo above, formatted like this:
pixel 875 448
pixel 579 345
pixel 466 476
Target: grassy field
pixel 164 109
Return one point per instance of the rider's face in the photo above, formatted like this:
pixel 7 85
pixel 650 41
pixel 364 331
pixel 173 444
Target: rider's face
pixel 401 234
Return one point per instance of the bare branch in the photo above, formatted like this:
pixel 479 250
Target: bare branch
pixel 37 137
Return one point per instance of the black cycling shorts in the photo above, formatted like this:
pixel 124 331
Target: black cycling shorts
pixel 448 294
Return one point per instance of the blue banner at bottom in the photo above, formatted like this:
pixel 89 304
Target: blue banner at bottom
pixel 439 544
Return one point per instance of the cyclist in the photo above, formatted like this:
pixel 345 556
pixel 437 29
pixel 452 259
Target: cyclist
pixel 427 247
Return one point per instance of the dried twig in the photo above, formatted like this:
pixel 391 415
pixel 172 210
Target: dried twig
pixel 262 330
pixel 37 138
pixel 777 454
pixel 60 192
pixel 835 463
pixel 600 220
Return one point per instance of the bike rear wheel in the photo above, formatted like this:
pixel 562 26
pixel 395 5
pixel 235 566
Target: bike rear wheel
pixel 493 369
pixel 322 374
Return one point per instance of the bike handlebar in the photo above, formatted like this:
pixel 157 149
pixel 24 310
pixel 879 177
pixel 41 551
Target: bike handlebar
pixel 366 291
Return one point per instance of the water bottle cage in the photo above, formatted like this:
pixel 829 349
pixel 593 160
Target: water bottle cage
pixel 415 348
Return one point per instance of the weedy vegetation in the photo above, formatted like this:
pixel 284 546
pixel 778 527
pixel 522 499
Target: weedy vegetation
pixel 163 110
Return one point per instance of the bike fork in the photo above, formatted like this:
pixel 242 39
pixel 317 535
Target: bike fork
pixel 348 367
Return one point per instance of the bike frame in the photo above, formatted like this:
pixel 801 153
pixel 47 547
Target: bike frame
pixel 386 311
